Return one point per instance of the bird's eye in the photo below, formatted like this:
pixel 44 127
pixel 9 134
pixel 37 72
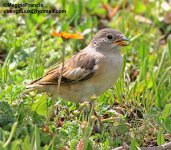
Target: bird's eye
pixel 109 37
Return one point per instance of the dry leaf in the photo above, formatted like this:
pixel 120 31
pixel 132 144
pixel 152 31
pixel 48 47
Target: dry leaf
pixel 111 12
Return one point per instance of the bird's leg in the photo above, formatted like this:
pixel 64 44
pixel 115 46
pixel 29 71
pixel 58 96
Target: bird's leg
pixel 85 109
pixel 92 111
pixel 89 110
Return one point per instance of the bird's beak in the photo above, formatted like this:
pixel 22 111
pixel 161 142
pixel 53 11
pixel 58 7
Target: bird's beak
pixel 123 41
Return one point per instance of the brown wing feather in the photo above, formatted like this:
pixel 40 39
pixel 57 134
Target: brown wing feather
pixel 79 68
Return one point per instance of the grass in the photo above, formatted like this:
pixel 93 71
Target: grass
pixel 136 110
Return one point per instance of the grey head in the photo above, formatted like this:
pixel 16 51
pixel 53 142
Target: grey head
pixel 108 39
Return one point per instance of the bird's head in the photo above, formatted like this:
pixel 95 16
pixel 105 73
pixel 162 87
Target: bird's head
pixel 109 40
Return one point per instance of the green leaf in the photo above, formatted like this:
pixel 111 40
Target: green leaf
pixel 40 105
pixel 101 12
pixel 169 48
pixel 167 111
pixel 89 146
pixel 73 144
pixel 93 4
pixel 13 130
pixel 160 138
pixel 26 145
pixel 139 7
pixel 168 124
pixel 72 10
pixel 134 145
pixel 16 144
pixel 36 138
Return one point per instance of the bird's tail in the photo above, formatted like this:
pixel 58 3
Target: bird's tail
pixel 34 85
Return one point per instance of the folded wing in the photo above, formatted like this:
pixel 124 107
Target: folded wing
pixel 78 68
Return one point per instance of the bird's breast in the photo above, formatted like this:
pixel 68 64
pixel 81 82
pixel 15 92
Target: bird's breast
pixel 108 72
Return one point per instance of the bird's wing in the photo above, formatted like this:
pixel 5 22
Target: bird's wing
pixel 78 68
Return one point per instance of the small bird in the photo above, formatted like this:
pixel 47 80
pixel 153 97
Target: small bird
pixel 90 72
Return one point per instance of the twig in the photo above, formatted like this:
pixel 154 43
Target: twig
pixel 60 77
pixel 166 146
pixel 124 147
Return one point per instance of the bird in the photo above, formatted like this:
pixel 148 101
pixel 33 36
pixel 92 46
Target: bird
pixel 91 71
